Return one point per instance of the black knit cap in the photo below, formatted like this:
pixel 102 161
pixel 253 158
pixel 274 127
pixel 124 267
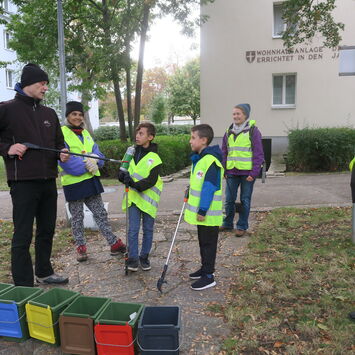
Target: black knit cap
pixel 32 73
pixel 73 106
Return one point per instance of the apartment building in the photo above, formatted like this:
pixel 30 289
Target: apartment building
pixel 243 60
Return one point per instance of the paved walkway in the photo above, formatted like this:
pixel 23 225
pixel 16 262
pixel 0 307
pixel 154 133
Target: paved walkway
pixel 202 331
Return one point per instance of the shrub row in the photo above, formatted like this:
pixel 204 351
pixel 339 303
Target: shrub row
pixel 320 149
pixel 104 133
pixel 174 151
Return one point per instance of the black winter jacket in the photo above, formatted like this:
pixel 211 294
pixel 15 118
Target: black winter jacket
pixel 24 119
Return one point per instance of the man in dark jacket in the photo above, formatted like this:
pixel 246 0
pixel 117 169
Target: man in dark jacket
pixel 31 175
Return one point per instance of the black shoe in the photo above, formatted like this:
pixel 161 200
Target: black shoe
pixel 53 279
pixel 205 281
pixel 132 264
pixel 145 263
pixel 196 275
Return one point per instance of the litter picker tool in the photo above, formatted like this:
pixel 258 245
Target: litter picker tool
pixel 162 281
pixel 37 147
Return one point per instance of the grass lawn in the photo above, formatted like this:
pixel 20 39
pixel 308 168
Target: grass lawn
pixel 295 286
pixel 62 242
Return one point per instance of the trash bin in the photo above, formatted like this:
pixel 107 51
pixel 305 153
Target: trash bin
pixel 43 313
pixel 115 328
pixel 13 322
pixel 76 324
pixel 5 287
pixel 158 330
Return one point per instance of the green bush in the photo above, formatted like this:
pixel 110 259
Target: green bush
pixel 106 133
pixel 173 150
pixel 173 130
pixel 320 149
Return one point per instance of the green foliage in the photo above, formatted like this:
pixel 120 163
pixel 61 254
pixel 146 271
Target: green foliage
pixel 320 149
pixel 184 91
pixel 173 150
pixel 306 18
pixel 167 130
pixel 158 109
pixel 106 133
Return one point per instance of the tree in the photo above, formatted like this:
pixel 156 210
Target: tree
pixel 158 109
pixel 98 38
pixel 306 18
pixel 184 91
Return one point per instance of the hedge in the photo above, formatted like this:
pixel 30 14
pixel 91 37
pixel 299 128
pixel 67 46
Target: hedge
pixel 320 149
pixel 104 133
pixel 173 150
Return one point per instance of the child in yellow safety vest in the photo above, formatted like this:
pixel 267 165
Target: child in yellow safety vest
pixel 145 187
pixel 81 182
pixel 204 205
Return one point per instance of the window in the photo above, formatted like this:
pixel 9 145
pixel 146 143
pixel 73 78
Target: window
pixel 7 38
pixel 279 24
pixel 9 78
pixel 284 90
pixel 5 5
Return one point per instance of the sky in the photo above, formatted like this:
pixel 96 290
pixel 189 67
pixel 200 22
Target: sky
pixel 166 45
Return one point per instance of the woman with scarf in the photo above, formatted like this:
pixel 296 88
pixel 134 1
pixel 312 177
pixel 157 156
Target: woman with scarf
pixel 243 157
pixel 81 183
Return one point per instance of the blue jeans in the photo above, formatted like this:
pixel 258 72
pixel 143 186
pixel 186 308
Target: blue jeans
pixel 246 190
pixel 135 215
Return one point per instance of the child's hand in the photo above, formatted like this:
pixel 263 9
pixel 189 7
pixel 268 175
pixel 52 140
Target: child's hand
pixel 201 218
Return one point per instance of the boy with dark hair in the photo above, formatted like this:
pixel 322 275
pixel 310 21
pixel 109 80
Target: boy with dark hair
pixel 204 205
pixel 143 196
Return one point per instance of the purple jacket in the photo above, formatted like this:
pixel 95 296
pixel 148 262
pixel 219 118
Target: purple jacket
pixel 258 154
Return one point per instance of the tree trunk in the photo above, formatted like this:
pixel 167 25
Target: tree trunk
pixel 114 73
pixel 129 92
pixel 144 29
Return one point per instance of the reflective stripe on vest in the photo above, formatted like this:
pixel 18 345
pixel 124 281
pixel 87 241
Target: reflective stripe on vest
pixel 240 154
pixel 77 146
pixel 147 200
pixel 214 215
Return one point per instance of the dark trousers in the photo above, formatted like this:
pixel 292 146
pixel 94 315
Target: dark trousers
pixel 208 239
pixel 35 199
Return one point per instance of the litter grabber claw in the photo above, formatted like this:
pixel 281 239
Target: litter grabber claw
pixel 161 280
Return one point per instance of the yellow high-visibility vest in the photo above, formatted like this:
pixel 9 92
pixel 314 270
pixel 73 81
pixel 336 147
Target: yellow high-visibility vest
pixel 148 200
pixel 214 215
pixel 77 146
pixel 351 165
pixel 240 153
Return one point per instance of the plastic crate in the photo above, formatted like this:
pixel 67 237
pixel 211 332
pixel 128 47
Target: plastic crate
pixel 13 322
pixel 5 287
pixel 158 330
pixel 43 314
pixel 115 328
pixel 76 324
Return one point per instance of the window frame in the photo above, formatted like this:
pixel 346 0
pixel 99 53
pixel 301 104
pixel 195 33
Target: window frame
pixel 283 105
pixel 6 40
pixel 277 3
pixel 7 75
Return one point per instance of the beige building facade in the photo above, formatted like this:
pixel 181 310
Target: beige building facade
pixel 243 60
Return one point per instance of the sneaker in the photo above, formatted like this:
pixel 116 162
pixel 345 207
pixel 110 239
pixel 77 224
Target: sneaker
pixel 118 247
pixel 205 281
pixel 196 275
pixel 52 279
pixel 132 264
pixel 240 233
pixel 81 253
pixel 225 229
pixel 145 263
